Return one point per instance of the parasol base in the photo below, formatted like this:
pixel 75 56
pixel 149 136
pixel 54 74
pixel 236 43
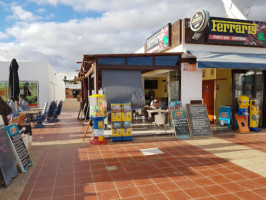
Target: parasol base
pixel 95 140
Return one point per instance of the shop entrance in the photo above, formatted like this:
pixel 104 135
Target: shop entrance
pixel 163 85
pixel 208 97
pixel 249 83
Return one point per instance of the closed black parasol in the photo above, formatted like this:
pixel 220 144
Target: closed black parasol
pixel 13 82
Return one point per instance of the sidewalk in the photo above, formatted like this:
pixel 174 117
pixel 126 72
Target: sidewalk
pixel 65 167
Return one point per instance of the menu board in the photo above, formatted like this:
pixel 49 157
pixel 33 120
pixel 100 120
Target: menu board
pixel 198 120
pixel 8 167
pixel 180 124
pixel 19 148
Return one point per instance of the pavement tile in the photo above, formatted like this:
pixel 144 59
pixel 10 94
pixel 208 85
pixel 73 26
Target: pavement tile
pixel 197 192
pixel 226 197
pixel 124 184
pixel 87 188
pixel 63 191
pixel 155 197
pixel 42 193
pixel 261 192
pixel 248 195
pixel 202 181
pixel 149 189
pixel 129 192
pixel 166 187
pixel 100 186
pixel 108 194
pixel 178 194
pixel 215 189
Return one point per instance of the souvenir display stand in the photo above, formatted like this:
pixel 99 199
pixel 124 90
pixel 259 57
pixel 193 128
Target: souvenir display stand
pixel 98 112
pixel 121 121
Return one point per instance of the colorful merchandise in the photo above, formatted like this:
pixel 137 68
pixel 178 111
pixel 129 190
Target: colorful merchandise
pixel 98 112
pixel 243 102
pixel 121 121
pixel 126 116
pixel 254 116
pixel 225 115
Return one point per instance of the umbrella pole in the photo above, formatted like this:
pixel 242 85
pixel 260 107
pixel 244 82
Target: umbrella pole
pixel 16 106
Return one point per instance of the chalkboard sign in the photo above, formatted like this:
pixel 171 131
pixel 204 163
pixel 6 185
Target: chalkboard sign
pixel 180 124
pixel 19 149
pixel 198 120
pixel 8 167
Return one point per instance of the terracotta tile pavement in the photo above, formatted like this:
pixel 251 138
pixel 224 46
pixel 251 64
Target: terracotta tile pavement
pixel 252 140
pixel 182 172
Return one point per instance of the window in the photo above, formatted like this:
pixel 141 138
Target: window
pixel 112 61
pixel 140 61
pixel 166 60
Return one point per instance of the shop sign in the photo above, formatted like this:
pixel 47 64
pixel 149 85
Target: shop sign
pixel 237 32
pixel 199 21
pixel 159 41
pixel 189 67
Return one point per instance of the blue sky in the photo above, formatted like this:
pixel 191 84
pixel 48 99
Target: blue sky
pixel 47 13
pixel 62 31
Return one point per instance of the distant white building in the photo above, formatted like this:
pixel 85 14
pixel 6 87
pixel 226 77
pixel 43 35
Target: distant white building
pixel 44 83
pixel 73 88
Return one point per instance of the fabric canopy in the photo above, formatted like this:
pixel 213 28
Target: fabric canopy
pixel 230 60
pixel 123 86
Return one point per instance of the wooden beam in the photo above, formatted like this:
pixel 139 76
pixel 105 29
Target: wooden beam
pixel 86 75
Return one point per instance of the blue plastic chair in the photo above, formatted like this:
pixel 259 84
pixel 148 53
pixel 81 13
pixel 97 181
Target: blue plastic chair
pixel 56 113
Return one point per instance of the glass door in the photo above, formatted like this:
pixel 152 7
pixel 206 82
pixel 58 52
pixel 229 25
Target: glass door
pixel 249 83
pixel 174 86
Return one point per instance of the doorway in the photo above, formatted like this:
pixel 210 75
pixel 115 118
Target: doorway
pixel 208 97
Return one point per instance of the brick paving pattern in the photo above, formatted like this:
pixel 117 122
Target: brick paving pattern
pixel 255 141
pixel 184 171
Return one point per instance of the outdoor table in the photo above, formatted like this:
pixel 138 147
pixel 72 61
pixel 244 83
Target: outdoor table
pixel 29 115
pixel 39 110
pixel 36 109
pixel 157 111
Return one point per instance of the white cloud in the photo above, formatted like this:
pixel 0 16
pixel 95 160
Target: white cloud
pixel 41 10
pixel 123 28
pixel 20 14
pixel 3 36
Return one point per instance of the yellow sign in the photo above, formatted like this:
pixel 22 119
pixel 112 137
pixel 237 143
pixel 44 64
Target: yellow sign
pixel 233 27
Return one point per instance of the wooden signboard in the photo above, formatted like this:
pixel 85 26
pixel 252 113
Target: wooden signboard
pixel 180 124
pixel 199 123
pixel 242 124
pixel 19 148
pixel 8 167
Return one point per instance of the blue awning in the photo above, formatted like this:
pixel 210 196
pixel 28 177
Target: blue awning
pixel 230 60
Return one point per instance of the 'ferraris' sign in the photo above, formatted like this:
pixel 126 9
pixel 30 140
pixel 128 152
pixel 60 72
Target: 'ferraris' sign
pixel 237 32
pixel 159 41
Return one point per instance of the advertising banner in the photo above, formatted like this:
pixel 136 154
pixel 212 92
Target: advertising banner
pixel 237 32
pixel 159 40
pixel 28 88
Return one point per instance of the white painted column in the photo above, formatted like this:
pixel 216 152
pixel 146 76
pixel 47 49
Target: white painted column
pixel 191 85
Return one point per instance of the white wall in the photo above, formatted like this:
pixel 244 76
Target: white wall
pixel 191 86
pixel 40 72
pixel 57 85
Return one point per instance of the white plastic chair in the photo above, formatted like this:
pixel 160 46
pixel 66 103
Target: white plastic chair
pixel 160 120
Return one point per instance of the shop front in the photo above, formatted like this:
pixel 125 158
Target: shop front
pixel 206 59
pixel 231 54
